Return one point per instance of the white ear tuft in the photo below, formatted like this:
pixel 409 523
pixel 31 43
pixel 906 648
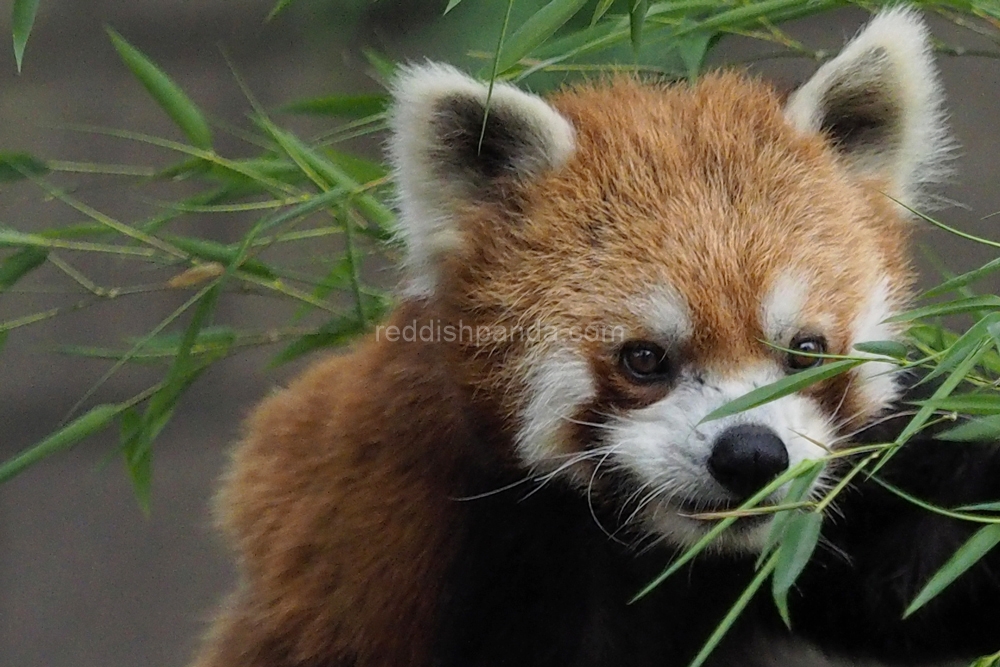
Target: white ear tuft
pixel 880 104
pixel 445 157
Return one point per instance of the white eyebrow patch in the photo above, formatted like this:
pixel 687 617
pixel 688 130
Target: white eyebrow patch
pixel 781 308
pixel 876 380
pixel 666 312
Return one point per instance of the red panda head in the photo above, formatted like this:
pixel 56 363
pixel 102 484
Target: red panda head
pixel 624 258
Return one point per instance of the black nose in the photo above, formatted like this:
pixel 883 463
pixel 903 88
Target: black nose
pixel 746 457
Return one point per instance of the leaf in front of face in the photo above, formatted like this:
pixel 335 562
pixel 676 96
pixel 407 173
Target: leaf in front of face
pixel 983 429
pixel 966 404
pixel 980 544
pixel 783 387
pixel 885 348
pixel 800 537
pixel 797 492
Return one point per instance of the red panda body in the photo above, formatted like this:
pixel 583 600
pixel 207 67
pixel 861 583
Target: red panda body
pixel 517 451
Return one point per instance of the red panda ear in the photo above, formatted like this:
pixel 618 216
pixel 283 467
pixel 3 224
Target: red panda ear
pixel 880 103
pixel 449 151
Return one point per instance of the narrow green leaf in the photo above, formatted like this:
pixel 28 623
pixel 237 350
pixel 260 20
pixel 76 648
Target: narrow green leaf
pixel 734 612
pixel 981 542
pixel 692 50
pixel 799 541
pixel 956 307
pixel 278 8
pixel 797 492
pixel 16 166
pixel 885 348
pixel 22 19
pixel 167 94
pixel 975 430
pixel 539 27
pixel 348 106
pixel 977 336
pixel 94 420
pixel 386 69
pixel 451 5
pixel 981 507
pixel 960 281
pixel 988 660
pixel 138 461
pixel 602 8
pixel 332 334
pixel 966 404
pixel 218 252
pixel 783 387
pixel 636 17
pixel 20 264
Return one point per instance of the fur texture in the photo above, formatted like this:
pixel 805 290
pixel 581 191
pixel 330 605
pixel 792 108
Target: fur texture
pixel 590 276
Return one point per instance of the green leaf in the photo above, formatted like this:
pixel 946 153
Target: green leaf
pixel 278 8
pixel 386 69
pixel 885 348
pixel 138 459
pixel 451 5
pixel 981 542
pixel 955 307
pixel 333 333
pixel 636 17
pixel 167 94
pixel 349 106
pixel 94 420
pixel 978 335
pixel 22 19
pixel 16 166
pixel 797 545
pixel 20 264
pixel 602 8
pixel 987 660
pixel 982 429
pixel 692 50
pixel 966 404
pixel 741 603
pixel 783 387
pixel 981 507
pixel 960 281
pixel 539 27
pixel 797 492
pixel 219 252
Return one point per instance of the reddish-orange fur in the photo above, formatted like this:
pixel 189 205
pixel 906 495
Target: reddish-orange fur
pixel 340 501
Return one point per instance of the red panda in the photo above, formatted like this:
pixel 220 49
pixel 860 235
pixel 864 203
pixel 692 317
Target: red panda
pixel 490 477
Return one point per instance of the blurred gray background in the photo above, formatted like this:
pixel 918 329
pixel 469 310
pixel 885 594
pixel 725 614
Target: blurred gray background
pixel 85 578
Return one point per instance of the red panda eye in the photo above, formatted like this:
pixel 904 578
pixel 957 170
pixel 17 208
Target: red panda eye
pixel 802 347
pixel 644 361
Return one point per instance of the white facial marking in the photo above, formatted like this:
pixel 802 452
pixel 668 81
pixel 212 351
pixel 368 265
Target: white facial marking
pixel 558 384
pixel 666 448
pixel 665 311
pixel 876 380
pixel 781 310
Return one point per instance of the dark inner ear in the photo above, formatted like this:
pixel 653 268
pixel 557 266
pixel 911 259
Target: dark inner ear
pixel 861 113
pixel 482 156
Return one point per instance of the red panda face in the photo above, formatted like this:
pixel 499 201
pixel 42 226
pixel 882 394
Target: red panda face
pixel 632 257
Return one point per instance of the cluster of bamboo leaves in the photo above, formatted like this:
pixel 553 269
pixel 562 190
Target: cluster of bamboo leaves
pixel 300 190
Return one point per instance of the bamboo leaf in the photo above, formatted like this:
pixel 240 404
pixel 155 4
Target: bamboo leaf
pixel 333 333
pixel 960 281
pixel 20 264
pixel 966 404
pixel 981 543
pixel 539 27
pixel 167 94
pixel 885 348
pixel 636 17
pixel 797 492
pixel 797 545
pixel 602 8
pixel 22 19
pixel 16 166
pixel 94 420
pixel 349 106
pixel 956 307
pixel 783 387
pixel 975 430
